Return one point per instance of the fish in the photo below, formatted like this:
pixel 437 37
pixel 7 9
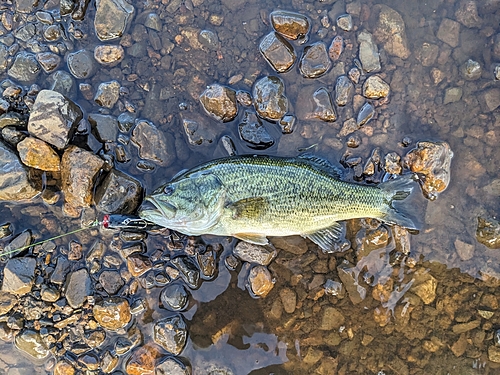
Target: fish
pixel 252 197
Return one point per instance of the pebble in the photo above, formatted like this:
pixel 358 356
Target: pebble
pixel 449 32
pixel 30 342
pixel 314 61
pixel 375 88
pixel 323 108
pixel 118 193
pixel 14 181
pixel 197 130
pixel 260 281
pixel 35 153
pixel 290 24
pixel 19 275
pixel 365 114
pixel 278 52
pixel 269 99
pixel 104 127
pixel 256 254
pixel 467 14
pixel 288 299
pixel 488 232
pixel 424 286
pixel 464 250
pixel 349 126
pixel 496 72
pixel 63 367
pixel 368 52
pixel 174 297
pixel 331 318
pixel 490 99
pixel 25 68
pixel 78 287
pixel 219 102
pixel 109 55
pixel 48 61
pixel 336 48
pixel 188 270
pixel 172 366
pixel 390 30
pixel 344 90
pixel 154 145
pixel 7 302
pixel 452 95
pixel 107 94
pixel 112 313
pixel 171 334
pixel 345 22
pixel 111 281
pixel 471 70
pixel 81 64
pixel 138 264
pixel 287 124
pixel 253 132
pixel 109 28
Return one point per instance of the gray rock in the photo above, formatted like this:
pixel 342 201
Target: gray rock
pixel 189 271
pixel 7 302
pixel 256 254
pixel 344 90
pixel 345 22
pixel 209 40
pixel 153 21
pixel 14 183
pixel 4 57
pixel 471 70
pixel 449 32
pixel 365 114
pixel 467 14
pixel 107 94
pixel 197 131
pixel 78 287
pixel 314 61
pixel 25 68
pixel 19 275
pixel 112 18
pixel 153 144
pixel 63 83
pixel 174 297
pixel 490 99
pixel 54 118
pixel 452 95
pixel 269 99
pixel 252 131
pixel 19 242
pixel 171 334
pixel 48 61
pixel 368 52
pixel 277 51
pixel 219 102
pixel 111 281
pixel 290 24
pixel 12 119
pixel 31 343
pixel 118 193
pixel 390 30
pixel 104 127
pixel 172 366
pixel 81 64
pixel 427 54
pixel 323 107
pixel 60 271
pixel 349 277
pixel 26 6
pixel 496 72
pixel 49 294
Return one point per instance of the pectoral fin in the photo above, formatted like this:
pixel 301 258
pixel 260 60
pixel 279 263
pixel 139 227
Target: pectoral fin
pixel 326 238
pixel 255 238
pixel 248 208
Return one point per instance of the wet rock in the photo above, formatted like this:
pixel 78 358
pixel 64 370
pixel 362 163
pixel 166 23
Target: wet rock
pixel 109 361
pixel 112 18
pixel 449 32
pixel 314 61
pixel 365 114
pixel 197 130
pixel 7 302
pixel 31 343
pixel 349 277
pixel 62 82
pixel 331 318
pixel 172 366
pixel 269 99
pixel 138 264
pixel 174 297
pixel 464 250
pixel 288 299
pixel 107 94
pixel 109 55
pixel 345 22
pixel 390 31
pixel 427 54
pixel 112 313
pixel 207 263
pixel 287 124
pixel 79 169
pixel 488 232
pixel 368 52
pixel 494 354
pixel 48 61
pixel 154 144
pixel 78 287
pixel 118 193
pixel 252 131
pixel 292 244
pixel 343 91
pixel 452 95
pixel 171 334
pixel 424 286
pixel 278 52
pixel 49 294
pixel 433 160
pixel 111 281
pixel 471 70
pixel 336 48
pixel 290 24
pixel 490 99
pixel 60 271
pixel 54 118
pixel 260 281
pixel 36 153
pixel 14 182
pixel 322 106
pixel 375 88
pixel 252 253
pixel 81 64
pixel 104 127
pixel 244 98
pixel 63 367
pixel 25 68
pixel 467 14
pixel 496 72
pixel 19 275
pixel 220 102
pixel 348 127
pixel 143 360
pixel 392 163
pixel 189 271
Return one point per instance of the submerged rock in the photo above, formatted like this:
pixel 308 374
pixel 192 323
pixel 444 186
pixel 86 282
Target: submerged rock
pixel 112 313
pixel 104 127
pixel 25 68
pixel 78 287
pixel 290 24
pixel 31 343
pixel 368 52
pixel 314 61
pixel 260 281
pixel 174 297
pixel 365 114
pixel 197 130
pixel 118 193
pixel 278 52
pixel 220 102
pixel 449 32
pixel 19 276
pixel 322 106
pixel 112 18
pixel 336 48
pixel 252 131
pixel 109 55
pixel 252 253
pixel 269 99
pixel 107 94
pixel 467 14
pixel 344 90
pixel 81 64
pixel 391 32
pixel 375 88
pixel 154 144
pixel 14 183
pixel 488 232
pixel 171 334
pixel 471 70
pixel 36 153
pixel 189 271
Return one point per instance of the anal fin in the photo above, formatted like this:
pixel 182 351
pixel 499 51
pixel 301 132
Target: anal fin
pixel 255 238
pixel 327 237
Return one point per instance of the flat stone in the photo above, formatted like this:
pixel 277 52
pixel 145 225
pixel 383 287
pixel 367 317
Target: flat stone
pixel 7 302
pixel 143 360
pixel 252 131
pixel 111 281
pixel 490 99
pixel 290 24
pixel 37 154
pixel 174 297
pixel 49 61
pixel 172 366
pixel 449 32
pixel 292 244
pixel 60 271
pixel 81 64
pixel 104 127
pixel 112 18
pixel 314 61
pixel 452 95
pixel 14 178
pixel 252 253
pixel 25 68
pixel 138 264
pixel 171 334
pixel 78 287
pixel 31 343
pixel 466 327
pixel 112 313
pixel 155 145
pixel 269 99
pixel 322 106
pixel 118 193
pixel 375 88
pixel 424 286
pixel 288 299
pixel 427 54
pixel 19 275
pixel 220 102
pixel 494 353
pixel 278 52
pixel 464 250
pixel 390 30
pixel 344 90
pixel 368 52
pixel 467 14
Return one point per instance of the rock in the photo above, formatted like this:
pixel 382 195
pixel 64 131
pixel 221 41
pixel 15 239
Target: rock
pixel 112 313
pixel 344 90
pixel 79 169
pixel 334 288
pixel 7 302
pixel 260 281
pixel 63 83
pixel 465 251
pixel 172 366
pixel 25 68
pixel 288 299
pixel 109 55
pixel 292 244
pixel 252 131
pixel 78 287
pixel 349 277
pixel 390 31
pixel 449 32
pixel 345 22
pixel 171 334
pixel 392 163
pixel 252 253
pixel 488 232
pixel 174 297
pixel 375 88
pixel 354 75
pixel 19 275
pixel 36 153
pixel 198 131
pixel 14 183
pixel 31 343
pixel 188 270
pixel 496 46
pixel 471 70
pixel 322 106
pixel 49 294
pixel 54 118
pixel 278 52
pixel 348 127
pixel 60 271
pixel 494 354
pixel 112 18
pixel 368 52
pixel 496 72
pixel 331 318
pixel 314 61
pixel 63 367
pixel 269 99
pixel 154 144
pixel 490 99
pixel 427 54
pixel 111 281
pixel 424 286
pixel 433 160
pixel 336 48
pixel 81 64
pixel 220 102
pixel 118 193
pixel 452 95
pixel 365 114
pixel 48 61
pixel 290 24
pixel 287 124
pixel 138 264
pixel 104 127
pixel 467 14
pixel 143 360
pixel 109 361
pixel 107 94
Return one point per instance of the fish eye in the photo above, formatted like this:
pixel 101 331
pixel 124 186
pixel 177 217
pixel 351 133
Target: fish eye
pixel 168 190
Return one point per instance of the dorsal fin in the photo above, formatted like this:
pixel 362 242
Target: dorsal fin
pixel 322 164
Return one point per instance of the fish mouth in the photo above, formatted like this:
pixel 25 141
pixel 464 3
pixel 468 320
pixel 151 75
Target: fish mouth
pixel 152 207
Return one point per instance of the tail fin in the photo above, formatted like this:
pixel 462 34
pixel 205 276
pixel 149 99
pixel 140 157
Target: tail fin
pixel 398 190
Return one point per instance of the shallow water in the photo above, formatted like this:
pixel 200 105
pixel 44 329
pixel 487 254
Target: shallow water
pixel 236 333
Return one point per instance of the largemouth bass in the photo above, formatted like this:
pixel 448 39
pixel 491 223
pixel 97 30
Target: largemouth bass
pixel 252 197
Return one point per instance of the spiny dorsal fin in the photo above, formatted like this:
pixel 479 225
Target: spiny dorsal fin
pixel 255 238
pixel 323 164
pixel 248 208
pixel 326 238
